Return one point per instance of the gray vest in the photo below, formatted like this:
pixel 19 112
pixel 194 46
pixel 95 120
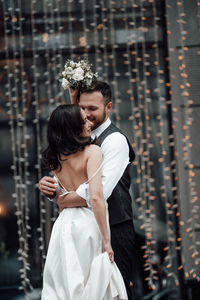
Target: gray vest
pixel 120 202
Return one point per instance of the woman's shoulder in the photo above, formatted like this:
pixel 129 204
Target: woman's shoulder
pixel 94 156
pixel 94 149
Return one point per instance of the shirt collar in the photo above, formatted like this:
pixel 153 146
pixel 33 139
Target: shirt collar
pixel 96 132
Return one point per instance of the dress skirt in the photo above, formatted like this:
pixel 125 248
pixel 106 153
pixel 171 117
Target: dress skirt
pixel 75 267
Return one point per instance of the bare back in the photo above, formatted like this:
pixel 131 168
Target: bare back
pixel 74 168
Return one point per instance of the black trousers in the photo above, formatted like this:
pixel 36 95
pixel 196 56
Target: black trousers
pixel 123 241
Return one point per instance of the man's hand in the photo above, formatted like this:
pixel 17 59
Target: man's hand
pixel 47 186
pixel 70 200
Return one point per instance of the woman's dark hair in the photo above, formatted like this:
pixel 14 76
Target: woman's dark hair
pixel 64 134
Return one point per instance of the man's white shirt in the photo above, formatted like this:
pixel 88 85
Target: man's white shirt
pixel 115 152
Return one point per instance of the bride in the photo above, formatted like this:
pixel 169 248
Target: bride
pixel 80 260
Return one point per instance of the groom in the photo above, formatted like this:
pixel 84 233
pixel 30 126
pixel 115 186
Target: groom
pixel 117 157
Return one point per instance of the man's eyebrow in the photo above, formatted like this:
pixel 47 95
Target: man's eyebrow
pixel 88 106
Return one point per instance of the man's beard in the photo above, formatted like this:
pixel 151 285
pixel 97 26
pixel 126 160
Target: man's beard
pixel 97 123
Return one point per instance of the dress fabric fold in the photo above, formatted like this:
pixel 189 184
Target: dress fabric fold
pixel 75 267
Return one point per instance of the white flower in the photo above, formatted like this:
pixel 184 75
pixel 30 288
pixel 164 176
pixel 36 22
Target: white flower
pixel 65 83
pixel 88 81
pixel 78 74
pixel 88 75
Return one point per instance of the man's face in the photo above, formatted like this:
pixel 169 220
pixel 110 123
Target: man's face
pixel 94 106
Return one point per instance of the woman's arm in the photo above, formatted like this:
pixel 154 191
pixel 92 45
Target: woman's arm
pixel 73 94
pixel 96 197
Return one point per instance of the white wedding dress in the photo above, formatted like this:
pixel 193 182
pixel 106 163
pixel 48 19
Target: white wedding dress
pixel 76 268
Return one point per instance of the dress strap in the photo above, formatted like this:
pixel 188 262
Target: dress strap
pixel 69 192
pixel 95 173
pixel 62 187
pixel 59 181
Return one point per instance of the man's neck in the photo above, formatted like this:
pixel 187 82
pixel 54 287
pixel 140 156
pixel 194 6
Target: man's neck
pixel 96 132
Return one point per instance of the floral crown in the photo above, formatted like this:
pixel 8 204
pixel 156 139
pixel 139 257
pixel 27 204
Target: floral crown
pixel 78 74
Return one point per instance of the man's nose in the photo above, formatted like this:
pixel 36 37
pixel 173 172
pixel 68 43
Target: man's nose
pixel 87 112
pixel 90 123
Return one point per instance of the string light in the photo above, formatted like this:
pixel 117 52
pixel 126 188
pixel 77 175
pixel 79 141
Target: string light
pixel 16 110
pixel 168 185
pixel 115 74
pixel 187 148
pixel 146 167
pixel 42 210
pixel 94 28
pixel 146 88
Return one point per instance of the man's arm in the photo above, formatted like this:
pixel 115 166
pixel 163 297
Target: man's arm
pixel 115 151
pixel 70 200
pixel 115 160
pixel 48 185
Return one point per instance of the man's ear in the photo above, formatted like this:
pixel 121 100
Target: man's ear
pixel 109 106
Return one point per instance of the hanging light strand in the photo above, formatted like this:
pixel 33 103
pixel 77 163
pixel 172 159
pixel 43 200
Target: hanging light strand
pixel 146 102
pixel 115 74
pixel 104 28
pixel 17 129
pixel 23 135
pixel 48 32
pixel 59 44
pixel 132 81
pixel 98 27
pixel 59 68
pixel 70 30
pixel 131 55
pixel 15 195
pixel 55 67
pixel 35 103
pixel 84 41
pixel 171 208
pixel 137 116
pixel 187 145
pixel 20 159
pixel 146 212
